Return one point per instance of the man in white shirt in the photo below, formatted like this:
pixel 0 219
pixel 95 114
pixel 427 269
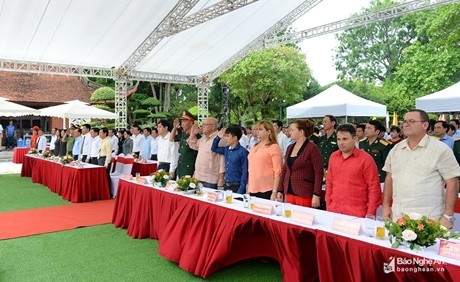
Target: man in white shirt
pixel 244 140
pixel 95 146
pixel 282 139
pixel 138 139
pixel 168 152
pixel 41 141
pixel 154 144
pixel 114 139
pixel 53 139
pixel 87 139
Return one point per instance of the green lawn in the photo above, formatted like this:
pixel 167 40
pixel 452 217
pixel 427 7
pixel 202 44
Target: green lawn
pixel 105 253
pixel 19 193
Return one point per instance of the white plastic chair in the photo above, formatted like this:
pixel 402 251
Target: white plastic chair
pixel 127 166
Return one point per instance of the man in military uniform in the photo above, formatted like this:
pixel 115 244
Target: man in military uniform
pixel 328 142
pixel 457 150
pixel 315 136
pixel 376 147
pixel 187 156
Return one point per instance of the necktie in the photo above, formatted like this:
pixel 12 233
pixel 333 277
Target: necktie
pixel 82 143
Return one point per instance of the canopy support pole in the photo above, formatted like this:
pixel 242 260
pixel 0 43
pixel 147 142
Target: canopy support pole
pixel 121 102
pixel 203 91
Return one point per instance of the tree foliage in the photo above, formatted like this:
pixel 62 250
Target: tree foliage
pixel 103 94
pixel 373 52
pixel 266 78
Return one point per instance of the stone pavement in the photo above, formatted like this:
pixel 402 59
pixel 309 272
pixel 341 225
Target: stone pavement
pixel 6 163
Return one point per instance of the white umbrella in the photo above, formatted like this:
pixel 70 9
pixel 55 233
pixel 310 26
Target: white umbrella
pixel 10 109
pixel 76 109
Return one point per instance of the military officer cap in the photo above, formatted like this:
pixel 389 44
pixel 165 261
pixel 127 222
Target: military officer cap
pixel 187 115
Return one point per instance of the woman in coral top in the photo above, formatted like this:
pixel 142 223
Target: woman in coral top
pixel 265 162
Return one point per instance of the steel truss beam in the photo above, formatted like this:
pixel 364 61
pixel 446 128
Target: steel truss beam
pixel 371 17
pixel 121 103
pixel 203 112
pixel 258 43
pixel 176 22
pixel 59 69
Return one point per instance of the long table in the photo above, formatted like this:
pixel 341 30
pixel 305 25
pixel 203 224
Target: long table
pixel 74 184
pixel 203 237
pixel 19 153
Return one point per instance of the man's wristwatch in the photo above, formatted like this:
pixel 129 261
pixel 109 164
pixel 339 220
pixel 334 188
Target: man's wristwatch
pixel 449 218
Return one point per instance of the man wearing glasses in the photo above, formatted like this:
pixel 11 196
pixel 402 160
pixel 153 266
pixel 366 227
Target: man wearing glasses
pixel 418 168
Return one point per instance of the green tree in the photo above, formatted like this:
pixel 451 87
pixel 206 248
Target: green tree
pixel 373 52
pixel 264 79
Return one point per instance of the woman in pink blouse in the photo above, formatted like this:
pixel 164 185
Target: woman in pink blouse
pixel 265 163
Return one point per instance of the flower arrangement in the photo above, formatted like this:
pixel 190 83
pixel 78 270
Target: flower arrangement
pixel 33 151
pixel 186 183
pixel 161 176
pixel 417 231
pixel 47 154
pixel 67 159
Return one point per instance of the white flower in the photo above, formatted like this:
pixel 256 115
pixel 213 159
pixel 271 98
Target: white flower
pixel 409 235
pixel 187 176
pixel 415 216
pixel 192 185
pixel 166 176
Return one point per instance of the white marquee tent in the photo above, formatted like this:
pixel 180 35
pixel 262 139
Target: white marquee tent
pixel 338 102
pixel 104 34
pixel 10 109
pixel 76 109
pixel 444 101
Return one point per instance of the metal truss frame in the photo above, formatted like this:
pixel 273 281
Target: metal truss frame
pixel 225 117
pixel 258 43
pixel 371 17
pixel 121 102
pixel 203 112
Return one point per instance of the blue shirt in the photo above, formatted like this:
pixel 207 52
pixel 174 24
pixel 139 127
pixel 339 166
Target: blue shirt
pixel 76 150
pixel 10 130
pixel 449 141
pixel 145 150
pixel 236 163
pixel 456 134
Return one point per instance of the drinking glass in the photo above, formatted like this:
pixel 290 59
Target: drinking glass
pixel 287 210
pixel 370 225
pixel 228 196
pixel 138 175
pixel 380 227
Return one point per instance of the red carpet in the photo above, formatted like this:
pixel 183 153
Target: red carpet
pixel 45 220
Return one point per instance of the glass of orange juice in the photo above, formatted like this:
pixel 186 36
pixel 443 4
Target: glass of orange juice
pixel 380 227
pixel 228 196
pixel 287 210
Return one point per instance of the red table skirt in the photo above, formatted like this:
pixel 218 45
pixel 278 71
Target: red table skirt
pixel 344 259
pixel 457 208
pixel 18 154
pixel 73 184
pixel 144 168
pixel 202 237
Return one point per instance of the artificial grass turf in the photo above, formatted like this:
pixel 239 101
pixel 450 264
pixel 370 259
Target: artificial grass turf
pixel 105 253
pixel 19 193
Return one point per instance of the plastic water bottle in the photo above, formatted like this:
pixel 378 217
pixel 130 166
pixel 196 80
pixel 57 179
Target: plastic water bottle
pixel 27 143
pixel 20 142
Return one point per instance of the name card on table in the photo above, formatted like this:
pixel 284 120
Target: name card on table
pixel 449 249
pixel 302 218
pixel 346 226
pixel 171 186
pixel 263 208
pixel 141 180
pixel 128 177
pixel 211 197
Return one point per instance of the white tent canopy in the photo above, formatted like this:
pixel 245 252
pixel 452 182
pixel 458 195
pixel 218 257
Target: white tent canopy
pixel 104 34
pixel 76 109
pixel 10 109
pixel 338 102
pixel 444 101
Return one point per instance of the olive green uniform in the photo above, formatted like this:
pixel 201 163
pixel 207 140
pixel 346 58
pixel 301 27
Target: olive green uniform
pixel 69 145
pixel 457 150
pixel 378 150
pixel 187 156
pixel 314 138
pixel 327 146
